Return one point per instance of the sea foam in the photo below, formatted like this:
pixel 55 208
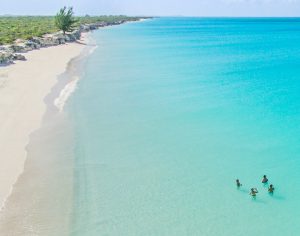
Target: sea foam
pixel 65 93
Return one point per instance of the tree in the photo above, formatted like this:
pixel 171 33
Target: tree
pixel 64 19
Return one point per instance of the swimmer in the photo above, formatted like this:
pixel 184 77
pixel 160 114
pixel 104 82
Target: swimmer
pixel 271 189
pixel 238 183
pixel 253 192
pixel 265 179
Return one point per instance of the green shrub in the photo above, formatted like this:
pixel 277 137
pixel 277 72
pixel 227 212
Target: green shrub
pixel 64 19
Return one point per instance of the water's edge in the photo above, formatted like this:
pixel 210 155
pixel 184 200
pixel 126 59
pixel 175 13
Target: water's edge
pixel 41 198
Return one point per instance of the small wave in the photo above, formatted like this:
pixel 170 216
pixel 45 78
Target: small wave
pixel 65 93
pixel 3 204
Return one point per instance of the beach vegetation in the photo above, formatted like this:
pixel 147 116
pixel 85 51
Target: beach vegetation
pixel 64 19
pixel 27 27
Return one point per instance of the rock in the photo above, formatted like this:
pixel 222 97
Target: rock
pixel 59 37
pixel 102 24
pixel 6 58
pixel 49 41
pixel 18 48
pixel 84 28
pixel 93 27
pixel 36 40
pixel 5 49
pixel 32 45
pixel 76 34
pixel 35 43
pixel 61 40
pixel 70 38
pixel 19 57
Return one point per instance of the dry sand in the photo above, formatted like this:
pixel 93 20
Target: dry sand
pixel 23 87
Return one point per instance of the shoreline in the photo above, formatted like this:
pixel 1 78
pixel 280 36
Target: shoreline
pixel 49 161
pixel 24 86
pixel 49 72
pixel 16 51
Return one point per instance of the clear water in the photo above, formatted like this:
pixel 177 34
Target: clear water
pixel 171 111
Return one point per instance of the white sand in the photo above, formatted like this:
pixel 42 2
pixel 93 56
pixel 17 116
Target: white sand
pixel 23 87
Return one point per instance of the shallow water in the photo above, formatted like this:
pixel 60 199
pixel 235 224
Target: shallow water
pixel 171 111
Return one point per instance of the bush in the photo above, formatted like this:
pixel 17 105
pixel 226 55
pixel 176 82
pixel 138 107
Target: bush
pixel 64 19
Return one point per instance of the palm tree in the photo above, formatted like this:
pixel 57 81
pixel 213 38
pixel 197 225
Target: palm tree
pixel 64 19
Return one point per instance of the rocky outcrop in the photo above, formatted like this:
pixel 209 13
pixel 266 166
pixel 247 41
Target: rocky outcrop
pixel 32 45
pixel 18 48
pixel 9 53
pixel 7 58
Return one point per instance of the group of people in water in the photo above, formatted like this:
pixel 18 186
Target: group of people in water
pixel 254 191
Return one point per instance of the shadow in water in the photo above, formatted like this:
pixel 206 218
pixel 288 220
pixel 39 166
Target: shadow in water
pixel 242 190
pixel 257 200
pixel 277 197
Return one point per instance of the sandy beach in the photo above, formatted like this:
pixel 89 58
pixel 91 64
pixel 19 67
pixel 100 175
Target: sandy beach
pixel 23 87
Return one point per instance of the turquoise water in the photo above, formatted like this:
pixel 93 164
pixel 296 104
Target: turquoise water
pixel 171 111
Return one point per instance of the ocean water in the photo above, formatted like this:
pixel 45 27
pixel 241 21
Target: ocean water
pixel 165 114
pixel 171 111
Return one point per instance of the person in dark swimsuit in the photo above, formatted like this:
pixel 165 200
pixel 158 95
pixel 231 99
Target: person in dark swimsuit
pixel 271 189
pixel 265 179
pixel 253 192
pixel 238 183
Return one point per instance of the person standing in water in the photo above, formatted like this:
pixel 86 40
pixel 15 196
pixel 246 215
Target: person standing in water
pixel 253 192
pixel 238 183
pixel 265 179
pixel 271 189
